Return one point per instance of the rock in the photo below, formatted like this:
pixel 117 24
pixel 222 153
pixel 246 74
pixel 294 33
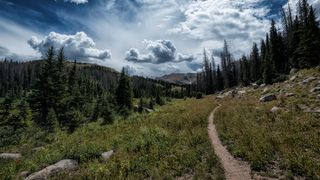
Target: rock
pixel 230 93
pixel 148 110
pixel 263 85
pixel 10 155
pixel 107 155
pixel 268 98
pixel 220 97
pixel 293 71
pixel 316 111
pixel 254 85
pixel 315 90
pixel 308 80
pixel 63 165
pixel 318 97
pixel 242 92
pixel 289 95
pixel 275 109
pixel 293 78
pixel 265 90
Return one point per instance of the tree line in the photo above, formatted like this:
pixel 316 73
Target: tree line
pixel 294 46
pixel 54 94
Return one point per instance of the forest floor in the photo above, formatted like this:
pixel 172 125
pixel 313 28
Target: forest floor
pixel 234 169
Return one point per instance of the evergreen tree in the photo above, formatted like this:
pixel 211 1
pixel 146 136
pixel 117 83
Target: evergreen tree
pixel 124 91
pixel 255 68
pixel 43 95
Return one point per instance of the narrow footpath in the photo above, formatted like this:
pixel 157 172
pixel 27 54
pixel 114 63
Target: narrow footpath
pixel 234 169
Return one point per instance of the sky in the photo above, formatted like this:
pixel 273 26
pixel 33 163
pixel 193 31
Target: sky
pixel 148 37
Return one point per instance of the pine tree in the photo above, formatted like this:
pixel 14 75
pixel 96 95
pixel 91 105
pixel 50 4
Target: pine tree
pixel 220 85
pixel 43 98
pixel 124 91
pixel 255 68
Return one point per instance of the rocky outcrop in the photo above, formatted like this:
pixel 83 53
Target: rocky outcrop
pixel 63 165
pixel 268 98
pixel 10 156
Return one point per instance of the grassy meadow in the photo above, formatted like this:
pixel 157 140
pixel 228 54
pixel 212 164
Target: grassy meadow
pixel 284 143
pixel 168 143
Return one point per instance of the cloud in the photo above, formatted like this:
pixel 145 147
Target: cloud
pixel 160 51
pixel 78 46
pixel 76 1
pixel 5 53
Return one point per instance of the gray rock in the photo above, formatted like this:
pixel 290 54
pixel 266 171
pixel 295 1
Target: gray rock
pixel 107 155
pixel 254 85
pixel 63 165
pixel 289 95
pixel 293 78
pixel 148 110
pixel 318 97
pixel 220 97
pixel 36 149
pixel 265 90
pixel 293 71
pixel 315 90
pixel 268 98
pixel 10 155
pixel 275 109
pixel 263 85
pixel 308 80
pixel 242 92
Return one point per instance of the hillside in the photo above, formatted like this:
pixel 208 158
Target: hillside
pixel 179 78
pixel 275 128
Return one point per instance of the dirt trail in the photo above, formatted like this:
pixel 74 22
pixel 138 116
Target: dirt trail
pixel 234 169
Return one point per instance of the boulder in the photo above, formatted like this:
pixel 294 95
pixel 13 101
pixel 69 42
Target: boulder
pixel 242 92
pixel 268 98
pixel 318 97
pixel 308 80
pixel 275 109
pixel 10 156
pixel 315 90
pixel 63 165
pixel 107 155
pixel 220 97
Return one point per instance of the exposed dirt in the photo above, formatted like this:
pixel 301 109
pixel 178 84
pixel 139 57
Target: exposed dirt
pixel 234 169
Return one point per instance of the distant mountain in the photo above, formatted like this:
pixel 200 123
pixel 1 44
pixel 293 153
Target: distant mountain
pixel 179 78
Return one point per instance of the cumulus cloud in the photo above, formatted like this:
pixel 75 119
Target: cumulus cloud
pixel 160 51
pixel 216 20
pixel 78 46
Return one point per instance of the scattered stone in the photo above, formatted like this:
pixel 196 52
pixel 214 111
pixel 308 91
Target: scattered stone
pixel 242 92
pixel 268 98
pixel 107 155
pixel 308 80
pixel 289 95
pixel 220 97
pixel 275 109
pixel 254 85
pixel 147 110
pixel 265 90
pixel 293 78
pixel 263 85
pixel 315 90
pixel 63 165
pixel 318 97
pixel 293 71
pixel 10 155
